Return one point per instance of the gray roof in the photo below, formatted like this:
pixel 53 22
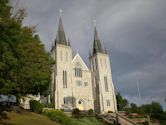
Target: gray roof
pixel 97 47
pixel 60 37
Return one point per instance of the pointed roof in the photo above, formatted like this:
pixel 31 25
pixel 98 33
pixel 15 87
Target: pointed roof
pixel 97 44
pixel 60 27
pixel 60 37
pixel 77 56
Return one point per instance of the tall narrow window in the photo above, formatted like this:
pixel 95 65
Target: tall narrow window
pixel 93 65
pixel 54 82
pixel 64 79
pixel 61 56
pixel 96 82
pixel 66 57
pixel 65 100
pixel 108 102
pixel 96 63
pixel 101 62
pixel 75 71
pixel 105 63
pixel 106 83
pixel 78 72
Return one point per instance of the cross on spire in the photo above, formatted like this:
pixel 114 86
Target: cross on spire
pixel 60 37
pixel 94 22
pixel 97 47
pixel 60 12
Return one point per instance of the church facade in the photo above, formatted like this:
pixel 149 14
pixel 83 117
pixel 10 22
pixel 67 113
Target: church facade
pixel 74 85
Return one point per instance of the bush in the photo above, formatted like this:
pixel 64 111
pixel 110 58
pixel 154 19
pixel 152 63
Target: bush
pixel 50 105
pixel 90 112
pixel 36 106
pixel 5 107
pixel 58 116
pixel 76 113
pixel 62 118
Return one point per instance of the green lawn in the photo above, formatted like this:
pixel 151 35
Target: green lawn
pixel 28 118
pixel 86 121
pixel 61 117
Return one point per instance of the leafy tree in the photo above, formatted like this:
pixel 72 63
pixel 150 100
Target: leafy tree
pixel 4 9
pixel 122 103
pixel 25 67
pixel 134 108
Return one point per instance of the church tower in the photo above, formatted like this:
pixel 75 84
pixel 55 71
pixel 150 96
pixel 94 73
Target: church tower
pixel 103 88
pixel 61 87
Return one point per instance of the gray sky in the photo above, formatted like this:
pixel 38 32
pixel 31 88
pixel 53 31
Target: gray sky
pixel 133 31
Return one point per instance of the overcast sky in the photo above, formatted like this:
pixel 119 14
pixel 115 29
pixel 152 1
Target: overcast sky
pixel 133 31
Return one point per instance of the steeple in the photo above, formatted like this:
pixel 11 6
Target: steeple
pixel 60 37
pixel 97 44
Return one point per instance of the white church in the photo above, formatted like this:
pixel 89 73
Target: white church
pixel 74 84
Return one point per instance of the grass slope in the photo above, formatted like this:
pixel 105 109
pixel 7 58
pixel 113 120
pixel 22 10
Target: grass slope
pixel 28 118
pixel 61 117
pixel 86 121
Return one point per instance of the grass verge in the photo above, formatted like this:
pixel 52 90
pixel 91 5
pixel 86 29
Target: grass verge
pixel 27 118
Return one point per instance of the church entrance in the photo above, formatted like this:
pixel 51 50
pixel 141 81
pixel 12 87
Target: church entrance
pixel 80 104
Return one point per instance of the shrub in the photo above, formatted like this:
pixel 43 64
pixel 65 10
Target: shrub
pixel 50 105
pixel 36 106
pixel 90 112
pixel 76 113
pixel 58 116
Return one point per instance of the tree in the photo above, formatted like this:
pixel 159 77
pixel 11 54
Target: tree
pixel 134 108
pixel 25 66
pixel 4 9
pixel 122 103
pixel 10 35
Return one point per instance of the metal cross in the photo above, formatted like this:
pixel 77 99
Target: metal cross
pixel 94 22
pixel 60 12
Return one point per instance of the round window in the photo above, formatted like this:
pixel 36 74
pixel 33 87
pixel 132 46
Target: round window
pixel 79 102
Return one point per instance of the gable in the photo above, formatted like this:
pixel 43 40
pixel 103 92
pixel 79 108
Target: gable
pixel 77 60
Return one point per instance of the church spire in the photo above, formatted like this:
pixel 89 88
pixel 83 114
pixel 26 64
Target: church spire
pixel 60 37
pixel 97 44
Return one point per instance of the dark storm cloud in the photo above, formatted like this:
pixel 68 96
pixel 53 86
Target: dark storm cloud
pixel 133 31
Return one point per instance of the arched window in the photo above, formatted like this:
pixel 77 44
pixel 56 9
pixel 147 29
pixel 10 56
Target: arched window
pixel 106 83
pixel 65 100
pixel 78 71
pixel 96 64
pixel 64 79
pixel 105 63
pixel 61 56
pixel 101 63
pixel 66 57
pixel 108 102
